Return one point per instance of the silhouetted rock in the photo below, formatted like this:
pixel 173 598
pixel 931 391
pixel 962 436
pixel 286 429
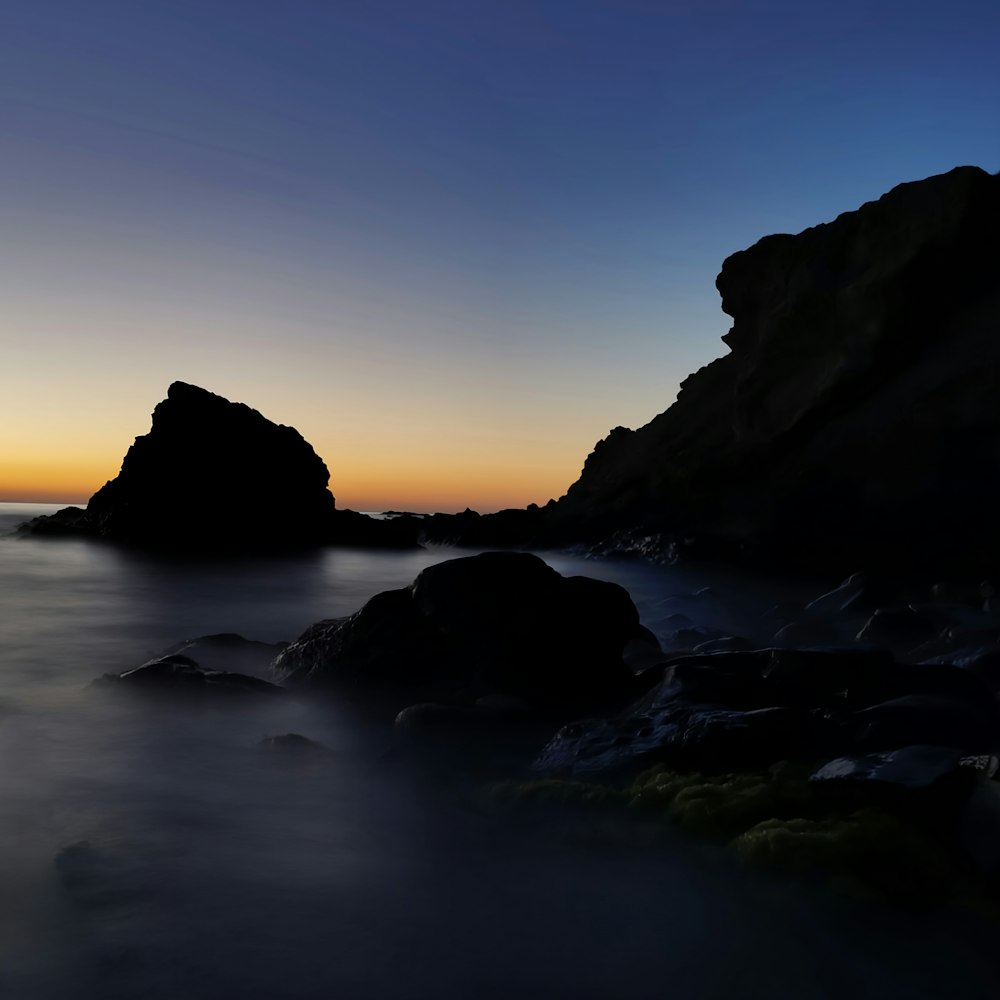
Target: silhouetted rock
pixel 855 421
pixel 212 474
pixel 499 622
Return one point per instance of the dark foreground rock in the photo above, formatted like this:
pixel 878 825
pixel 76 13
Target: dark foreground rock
pixel 217 475
pixel 496 623
pixel 733 712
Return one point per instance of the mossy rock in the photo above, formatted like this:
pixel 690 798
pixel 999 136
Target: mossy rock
pixel 779 820
pixel 725 805
pixel 868 852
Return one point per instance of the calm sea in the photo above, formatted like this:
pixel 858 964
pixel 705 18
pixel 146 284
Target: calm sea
pixel 204 868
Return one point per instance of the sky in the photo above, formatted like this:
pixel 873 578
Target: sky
pixel 452 242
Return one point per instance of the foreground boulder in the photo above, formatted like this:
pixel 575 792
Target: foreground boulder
pixel 212 474
pixel 496 623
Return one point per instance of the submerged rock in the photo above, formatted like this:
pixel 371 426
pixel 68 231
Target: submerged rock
pixel 217 475
pixel 292 745
pixel 180 676
pixel 227 651
pixel 499 622
pixel 96 876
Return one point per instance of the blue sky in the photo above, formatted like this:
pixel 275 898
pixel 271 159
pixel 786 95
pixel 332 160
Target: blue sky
pixel 453 242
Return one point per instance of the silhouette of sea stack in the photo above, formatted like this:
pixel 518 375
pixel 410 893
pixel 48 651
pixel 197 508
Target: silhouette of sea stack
pixel 218 475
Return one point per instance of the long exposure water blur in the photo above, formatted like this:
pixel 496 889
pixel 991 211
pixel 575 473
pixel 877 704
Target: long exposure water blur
pixel 154 851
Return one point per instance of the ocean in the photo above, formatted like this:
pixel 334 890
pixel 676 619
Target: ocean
pixel 156 852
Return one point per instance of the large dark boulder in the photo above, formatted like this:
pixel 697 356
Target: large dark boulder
pixel 496 623
pixel 212 474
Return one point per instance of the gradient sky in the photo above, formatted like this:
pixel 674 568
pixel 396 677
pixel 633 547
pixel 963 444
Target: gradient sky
pixel 453 243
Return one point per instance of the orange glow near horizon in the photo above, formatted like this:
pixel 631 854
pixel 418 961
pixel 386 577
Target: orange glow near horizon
pixel 429 453
pixel 403 483
pixel 448 493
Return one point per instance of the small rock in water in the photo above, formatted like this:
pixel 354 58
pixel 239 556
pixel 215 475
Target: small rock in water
pixel 228 651
pixel 180 676
pixel 292 743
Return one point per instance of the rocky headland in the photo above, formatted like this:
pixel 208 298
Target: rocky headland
pixel 854 423
pixel 213 475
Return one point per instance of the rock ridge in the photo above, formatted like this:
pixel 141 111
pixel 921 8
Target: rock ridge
pixel 855 420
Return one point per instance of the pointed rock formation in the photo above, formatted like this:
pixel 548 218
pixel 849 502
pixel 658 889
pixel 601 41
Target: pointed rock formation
pixel 218 475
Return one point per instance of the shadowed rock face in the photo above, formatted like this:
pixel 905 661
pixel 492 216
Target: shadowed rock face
pixel 858 413
pixel 730 712
pixel 209 467
pixel 497 623
pixel 856 420
pixel 219 475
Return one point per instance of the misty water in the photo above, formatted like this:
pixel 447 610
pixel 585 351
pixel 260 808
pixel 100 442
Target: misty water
pixel 212 868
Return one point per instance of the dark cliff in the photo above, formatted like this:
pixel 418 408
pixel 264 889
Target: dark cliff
pixel 856 419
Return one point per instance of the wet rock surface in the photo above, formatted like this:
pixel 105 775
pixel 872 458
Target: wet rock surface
pixel 181 677
pixel 743 710
pixel 227 651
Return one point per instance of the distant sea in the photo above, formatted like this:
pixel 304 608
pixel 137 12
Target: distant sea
pixel 153 852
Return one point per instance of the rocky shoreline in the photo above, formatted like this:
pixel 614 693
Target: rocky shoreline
pixel 790 751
